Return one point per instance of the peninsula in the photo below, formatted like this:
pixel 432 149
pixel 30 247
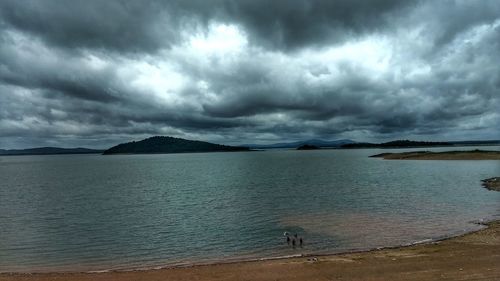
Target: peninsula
pixel 161 144
pixel 445 155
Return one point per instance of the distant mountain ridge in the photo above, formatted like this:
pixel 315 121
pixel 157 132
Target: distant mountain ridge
pixel 476 142
pixel 163 144
pixel 396 144
pixel 49 150
pixel 409 143
pixel 313 142
pixel 145 146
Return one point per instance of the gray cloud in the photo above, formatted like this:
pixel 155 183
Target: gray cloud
pixel 116 25
pixel 150 25
pixel 293 24
pixel 95 73
pixel 446 20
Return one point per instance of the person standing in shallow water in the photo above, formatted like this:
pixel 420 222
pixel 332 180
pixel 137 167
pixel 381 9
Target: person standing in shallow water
pixel 295 239
pixel 287 237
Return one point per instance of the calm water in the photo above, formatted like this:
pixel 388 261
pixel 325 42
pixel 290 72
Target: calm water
pixel 93 212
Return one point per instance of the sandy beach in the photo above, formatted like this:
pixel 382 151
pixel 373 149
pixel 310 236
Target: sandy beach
pixel 474 256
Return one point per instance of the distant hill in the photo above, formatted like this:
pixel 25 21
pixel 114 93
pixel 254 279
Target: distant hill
pixel 314 142
pixel 48 151
pixel 307 147
pixel 396 144
pixel 160 144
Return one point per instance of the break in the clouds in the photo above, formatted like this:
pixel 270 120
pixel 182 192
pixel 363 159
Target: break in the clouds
pixel 94 73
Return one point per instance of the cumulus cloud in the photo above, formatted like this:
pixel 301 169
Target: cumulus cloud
pixel 94 73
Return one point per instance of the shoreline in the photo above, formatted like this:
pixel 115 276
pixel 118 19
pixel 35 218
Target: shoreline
pixel 444 155
pixel 191 268
pixel 215 262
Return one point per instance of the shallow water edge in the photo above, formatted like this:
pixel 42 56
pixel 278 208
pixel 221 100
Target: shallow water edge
pixel 482 225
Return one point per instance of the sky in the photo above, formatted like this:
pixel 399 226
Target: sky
pixel 97 73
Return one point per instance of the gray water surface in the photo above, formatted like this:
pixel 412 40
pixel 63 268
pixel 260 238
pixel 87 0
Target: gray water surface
pixel 93 212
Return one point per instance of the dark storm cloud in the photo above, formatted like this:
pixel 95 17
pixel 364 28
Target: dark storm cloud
pixel 253 90
pixel 293 24
pixel 99 72
pixel 150 25
pixel 89 87
pixel 29 65
pixel 118 25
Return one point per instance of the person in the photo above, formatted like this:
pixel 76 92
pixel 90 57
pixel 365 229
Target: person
pixel 301 242
pixel 293 243
pixel 288 240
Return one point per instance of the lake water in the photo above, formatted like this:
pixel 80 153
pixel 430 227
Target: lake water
pixel 93 212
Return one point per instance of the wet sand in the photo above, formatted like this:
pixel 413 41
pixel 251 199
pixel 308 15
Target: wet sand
pixel 447 155
pixel 474 256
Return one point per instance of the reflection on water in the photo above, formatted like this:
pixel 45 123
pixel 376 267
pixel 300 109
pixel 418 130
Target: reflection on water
pixel 93 212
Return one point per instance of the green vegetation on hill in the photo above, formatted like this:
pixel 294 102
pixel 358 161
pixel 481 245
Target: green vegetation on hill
pixel 160 144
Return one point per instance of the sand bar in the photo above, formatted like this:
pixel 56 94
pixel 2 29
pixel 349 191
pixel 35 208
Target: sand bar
pixel 474 256
pixel 446 155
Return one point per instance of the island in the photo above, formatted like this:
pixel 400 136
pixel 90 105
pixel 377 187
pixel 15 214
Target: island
pixel 307 147
pixel 445 155
pixel 164 144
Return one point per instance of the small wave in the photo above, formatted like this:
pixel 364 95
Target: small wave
pixel 422 241
pixel 99 271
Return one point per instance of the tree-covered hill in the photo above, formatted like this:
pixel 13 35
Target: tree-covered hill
pixel 161 144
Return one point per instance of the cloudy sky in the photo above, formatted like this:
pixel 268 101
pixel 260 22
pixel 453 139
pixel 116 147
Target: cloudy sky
pixel 95 73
